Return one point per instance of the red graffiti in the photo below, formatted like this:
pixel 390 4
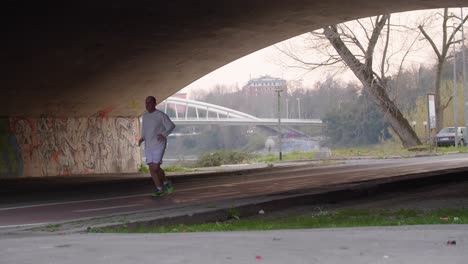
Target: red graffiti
pixel 51 121
pixel 55 156
pixel 31 149
pixel 104 113
pixel 33 124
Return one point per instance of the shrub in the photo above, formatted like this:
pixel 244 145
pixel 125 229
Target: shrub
pixel 143 168
pixel 223 157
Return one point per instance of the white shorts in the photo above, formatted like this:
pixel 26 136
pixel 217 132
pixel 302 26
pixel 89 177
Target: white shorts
pixel 154 155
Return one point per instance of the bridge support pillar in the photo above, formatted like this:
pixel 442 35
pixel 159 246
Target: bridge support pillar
pixel 46 146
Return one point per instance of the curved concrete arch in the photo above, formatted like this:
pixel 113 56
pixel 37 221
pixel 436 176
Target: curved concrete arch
pixel 93 58
pixel 228 112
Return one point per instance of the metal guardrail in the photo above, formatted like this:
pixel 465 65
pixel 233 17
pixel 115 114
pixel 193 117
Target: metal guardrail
pixel 244 121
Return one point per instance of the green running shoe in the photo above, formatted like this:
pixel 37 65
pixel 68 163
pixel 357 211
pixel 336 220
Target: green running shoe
pixel 169 187
pixel 158 193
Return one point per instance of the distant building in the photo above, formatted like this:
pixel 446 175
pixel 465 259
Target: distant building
pixel 264 84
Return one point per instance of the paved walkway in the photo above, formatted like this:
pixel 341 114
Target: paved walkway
pixel 406 244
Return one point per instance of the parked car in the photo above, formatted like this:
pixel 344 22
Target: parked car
pixel 446 136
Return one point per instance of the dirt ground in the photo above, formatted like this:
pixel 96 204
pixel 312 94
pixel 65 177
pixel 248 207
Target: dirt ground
pixel 442 196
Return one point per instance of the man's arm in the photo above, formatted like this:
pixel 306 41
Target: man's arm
pixel 142 133
pixel 168 126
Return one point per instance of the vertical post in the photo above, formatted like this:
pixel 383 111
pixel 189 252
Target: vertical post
pixel 299 107
pixel 431 117
pixel 425 130
pixel 279 125
pixel 455 100
pixel 465 99
pixel 176 111
pixel 287 108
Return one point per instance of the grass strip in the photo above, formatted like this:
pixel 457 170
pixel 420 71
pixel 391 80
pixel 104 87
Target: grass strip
pixel 317 219
pixel 286 157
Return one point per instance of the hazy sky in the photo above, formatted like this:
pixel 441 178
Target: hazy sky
pixel 268 61
pixel 239 71
pixel 254 65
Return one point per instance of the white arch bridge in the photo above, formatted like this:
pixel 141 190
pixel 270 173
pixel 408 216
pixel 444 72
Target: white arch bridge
pixel 191 112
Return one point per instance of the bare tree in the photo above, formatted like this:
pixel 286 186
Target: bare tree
pixel 447 41
pixel 349 50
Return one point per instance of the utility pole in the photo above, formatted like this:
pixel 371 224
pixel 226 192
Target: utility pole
pixel 278 91
pixel 455 105
pixel 299 107
pixel 287 108
pixel 465 99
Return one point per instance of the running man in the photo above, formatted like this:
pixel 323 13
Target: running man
pixel 156 127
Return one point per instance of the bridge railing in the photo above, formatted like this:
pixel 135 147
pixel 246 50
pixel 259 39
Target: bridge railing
pixel 223 115
pixel 206 108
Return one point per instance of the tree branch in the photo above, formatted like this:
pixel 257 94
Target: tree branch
pixel 354 64
pixel 331 60
pixel 354 39
pixel 428 38
pixel 376 32
pixel 382 66
pixel 448 102
pixel 364 29
pixel 456 30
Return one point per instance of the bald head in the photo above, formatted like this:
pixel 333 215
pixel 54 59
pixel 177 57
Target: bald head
pixel 150 104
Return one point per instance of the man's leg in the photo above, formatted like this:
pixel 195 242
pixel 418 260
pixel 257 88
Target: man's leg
pixel 166 182
pixel 162 174
pixel 154 171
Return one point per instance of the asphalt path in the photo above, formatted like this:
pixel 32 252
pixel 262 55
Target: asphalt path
pixel 86 201
pixel 397 244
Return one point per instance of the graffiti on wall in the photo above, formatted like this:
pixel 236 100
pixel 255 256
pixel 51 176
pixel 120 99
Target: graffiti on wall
pixel 300 145
pixel 11 164
pixel 64 146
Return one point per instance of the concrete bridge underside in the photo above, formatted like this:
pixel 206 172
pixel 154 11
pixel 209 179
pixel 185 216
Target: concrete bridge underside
pixel 68 67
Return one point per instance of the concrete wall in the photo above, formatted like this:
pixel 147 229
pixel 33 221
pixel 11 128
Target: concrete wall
pixel 32 147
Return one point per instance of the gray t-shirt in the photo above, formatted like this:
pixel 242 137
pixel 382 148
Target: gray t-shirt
pixel 155 123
